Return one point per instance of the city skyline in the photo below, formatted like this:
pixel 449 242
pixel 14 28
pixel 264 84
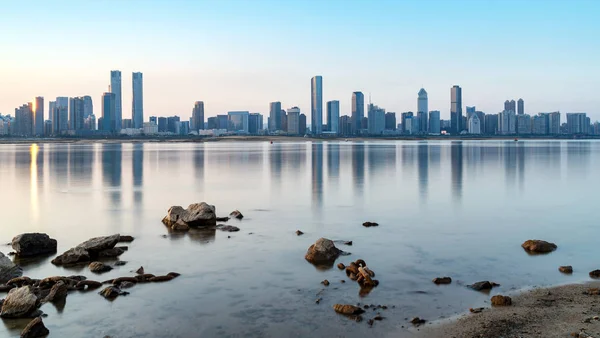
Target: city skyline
pixel 228 80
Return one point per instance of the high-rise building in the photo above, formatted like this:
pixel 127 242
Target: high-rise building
pixel 53 118
pixel 38 116
pixel 316 105
pixel 481 116
pixel 76 107
pixel 283 116
pixel 540 124
pixel 293 121
pixel 456 110
pixel 376 120
pixel 198 116
pixel 137 104
pixel 302 125
pixel 275 116
pixel 333 116
pixel 115 88
pixel 345 125
pixel 173 124
pixel 390 121
pixel 507 122
pixel 510 106
pixel 470 111
pixel 554 123
pixel 577 123
pixel 109 105
pixel 62 112
pixel 238 121
pixel 423 123
pixel 434 122
pixel 406 128
pixel 474 125
pixel 422 107
pixel 24 120
pixel 255 124
pixel 523 124
pixel 520 107
pixel 358 111
pixel 88 107
pixel 153 119
pixel 162 125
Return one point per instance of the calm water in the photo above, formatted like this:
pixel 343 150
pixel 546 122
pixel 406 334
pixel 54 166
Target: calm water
pixel 459 209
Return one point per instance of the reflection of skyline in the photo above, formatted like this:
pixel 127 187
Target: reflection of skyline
pixel 358 166
pixel 423 164
pixel 81 160
pixel 111 170
pixel 333 162
pixel 317 173
pixel 137 166
pixel 456 163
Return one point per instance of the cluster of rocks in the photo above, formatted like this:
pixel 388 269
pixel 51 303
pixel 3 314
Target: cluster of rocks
pixel 359 272
pixel 92 250
pixel 118 284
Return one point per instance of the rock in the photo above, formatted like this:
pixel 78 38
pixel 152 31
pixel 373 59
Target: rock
pixel 417 321
pixel 112 292
pixel 99 267
pixel 196 215
pixel 174 274
pixel 500 300
pixel 325 282
pixel 370 224
pixel 341 266
pixel 6 288
pixel 161 278
pixel 483 285
pixel 77 278
pixel 538 246
pixel 126 285
pixel 322 252
pixel 125 239
pixel 299 233
pixel 19 303
pixel 476 310
pixel 222 219
pixel 593 292
pixel 112 252
pixel 20 281
pixel 348 309
pixel 35 329
pixel 595 274
pixel 57 293
pixel 347 242
pixel 120 263
pixel 351 269
pixel 180 225
pixel 140 271
pixel 174 214
pixel 72 256
pixel 145 278
pixel 33 244
pixel 8 269
pixel 229 228
pixel 120 280
pixel 98 244
pixel 442 280
pixel 236 214
pixel 361 263
pixel 90 284
pixel 566 269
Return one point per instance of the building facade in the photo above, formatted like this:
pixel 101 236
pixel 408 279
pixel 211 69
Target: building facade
pixel 456 116
pixel 275 116
pixel 316 105
pixel 198 116
pixel 434 122
pixel 137 105
pixel 333 116
pixel 358 111
pixel 109 106
pixel 115 88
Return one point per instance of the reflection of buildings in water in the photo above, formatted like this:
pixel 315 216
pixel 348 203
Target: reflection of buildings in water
pixel 295 158
pixel 435 156
pixel 202 236
pixel 58 166
pixel 423 169
pixel 333 163
pixel 358 166
pixel 510 162
pixel 317 173
pixel 380 158
pixel 578 158
pixel 199 164
pixel 456 163
pixel 112 155
pixel 36 173
pixel 81 159
pixel 521 165
pixel 137 166
pixel 408 156
pixel 276 162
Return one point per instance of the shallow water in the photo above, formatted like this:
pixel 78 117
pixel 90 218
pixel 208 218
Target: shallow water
pixel 456 208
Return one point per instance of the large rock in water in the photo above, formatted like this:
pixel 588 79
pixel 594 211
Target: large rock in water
pixel 19 303
pixel 33 244
pixel 90 250
pixel 196 215
pixel 35 329
pixel 98 244
pixel 8 269
pixel 323 252
pixel 538 246
pixel 72 256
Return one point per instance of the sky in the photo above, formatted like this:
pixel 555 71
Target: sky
pixel 243 54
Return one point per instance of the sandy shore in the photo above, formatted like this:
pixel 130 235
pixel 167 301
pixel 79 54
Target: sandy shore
pixel 562 311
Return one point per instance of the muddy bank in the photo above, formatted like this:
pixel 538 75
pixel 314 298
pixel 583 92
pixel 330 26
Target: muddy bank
pixel 562 311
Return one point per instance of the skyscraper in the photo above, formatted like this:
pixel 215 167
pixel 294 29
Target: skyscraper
pixel 456 110
pixel 109 104
pixel 137 105
pixel 358 111
pixel 52 116
pixel 510 105
pixel 390 121
pixel 115 88
pixel 422 110
pixel 88 107
pixel 333 116
pixel 293 120
pixel 198 115
pixel 62 112
pixel 302 125
pixel 434 122
pixel 76 107
pixel 376 120
pixel 520 107
pixel 554 123
pixel 38 116
pixel 275 116
pixel 316 105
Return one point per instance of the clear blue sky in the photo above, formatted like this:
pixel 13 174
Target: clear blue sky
pixel 243 54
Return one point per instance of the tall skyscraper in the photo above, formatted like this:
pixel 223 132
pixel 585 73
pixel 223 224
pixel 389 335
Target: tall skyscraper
pixel 38 116
pixel 333 116
pixel 422 107
pixel 520 107
pixel 577 123
pixel 52 117
pixel 302 124
pixel 293 121
pixel 62 111
pixel 510 105
pixel 115 88
pixel 554 123
pixel 434 122
pixel 376 120
pixel 24 120
pixel 198 115
pixel 316 105
pixel 254 123
pixel 76 108
pixel 109 104
pixel 88 107
pixel 358 111
pixel 456 110
pixel 137 105
pixel 390 121
pixel 275 116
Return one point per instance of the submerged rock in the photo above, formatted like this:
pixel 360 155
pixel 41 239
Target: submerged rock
pixel 299 233
pixel 58 293
pixel 126 239
pixel 112 252
pixel 89 284
pixel 19 303
pixel 72 256
pixel 538 246
pixel 35 329
pixel 140 271
pixel 33 244
pixel 417 321
pixel 370 224
pixel 566 269
pixel 8 269
pixel 500 300
pixel 229 228
pixel 112 292
pixel 236 214
pixel 196 215
pixel 341 266
pixel 99 267
pixel 348 309
pixel 483 285
pixel 322 252
pixel 222 219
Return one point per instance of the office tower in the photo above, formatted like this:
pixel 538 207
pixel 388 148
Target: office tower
pixel 137 102
pixel 88 107
pixel 403 118
pixel 283 116
pixel 316 105
pixel 422 125
pixel 520 107
pixel 507 122
pixel 474 125
pixel 554 123
pixel 238 121
pixel 390 121
pixel 577 123
pixel 293 121
pixel 115 88
pixel 109 107
pixel 52 115
pixel 345 125
pixel 491 124
pixel 38 116
pixel 254 123
pixel 47 127
pixel 76 107
pixel 302 125
pixel 422 107
pixel 523 124
pixel 173 124
pixel 358 111
pixel 510 105
pixel 211 123
pixel 376 120
pixel 184 127
pixel 481 116
pixel 198 115
pixel 89 123
pixel 456 116
pixel 470 111
pixel 222 122
pixel 434 122
pixel 275 116
pixel 62 107
pixel 24 120
pixel 162 124
pixel 333 116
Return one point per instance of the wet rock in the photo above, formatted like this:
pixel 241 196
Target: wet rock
pixel 72 256
pixel 126 239
pixel 476 310
pixel 120 280
pixel 33 244
pixel 299 233
pixel 6 288
pixel 196 215
pixel 361 263
pixel 442 280
pixel 500 300
pixel 112 292
pixel 161 278
pixel 120 263
pixel 174 274
pixel 99 267
pixel 126 285
pixel 89 284
pixel 347 243
pixel 145 278
pixel 180 225
pixel 19 303
pixel 595 274
pixel 417 321
pixel 323 252
pixel 325 282
pixel 222 219
pixel 229 228
pixel 483 285
pixel 140 271
pixel 378 317
pixel 341 266
pixel 538 246
pixel 112 253
pixel 98 244
pixel 347 309
pixel 370 224
pixel 8 269
pixel 58 293
pixel 236 214
pixel 566 269
pixel 35 329
pixel 20 281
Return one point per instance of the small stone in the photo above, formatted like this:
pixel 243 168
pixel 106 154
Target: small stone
pixel 229 228
pixel 325 282
pixel 342 281
pixel 126 239
pixel 484 285
pixel 500 300
pixel 378 317
pixel 318 301
pixel 236 214
pixel 417 321
pixel 120 263
pixel 348 309
pixel 126 285
pixel 370 224
pixel 476 310
pixel 299 233
pixel 538 246
pixel 99 267
pixel 370 322
pixel 566 269
pixel 341 266
pixel 442 280
pixel 112 292
pixel 140 271
pixel 35 329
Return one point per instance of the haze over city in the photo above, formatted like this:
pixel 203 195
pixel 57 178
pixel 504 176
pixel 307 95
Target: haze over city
pixel 241 55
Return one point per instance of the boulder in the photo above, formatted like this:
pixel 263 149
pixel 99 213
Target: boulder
pixel 323 252
pixel 161 278
pixel 174 214
pixel 347 309
pixel 595 274
pixel 72 256
pixel 99 267
pixel 341 266
pixel 33 244
pixel 58 293
pixel 200 214
pixel 538 246
pixel 442 280
pixel 229 228
pixel 112 292
pixel 566 269
pixel 483 285
pixel 500 300
pixel 236 214
pixel 98 244
pixel 8 269
pixel 19 303
pixel 35 329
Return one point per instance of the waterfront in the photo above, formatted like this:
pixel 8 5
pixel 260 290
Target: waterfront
pixel 455 208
